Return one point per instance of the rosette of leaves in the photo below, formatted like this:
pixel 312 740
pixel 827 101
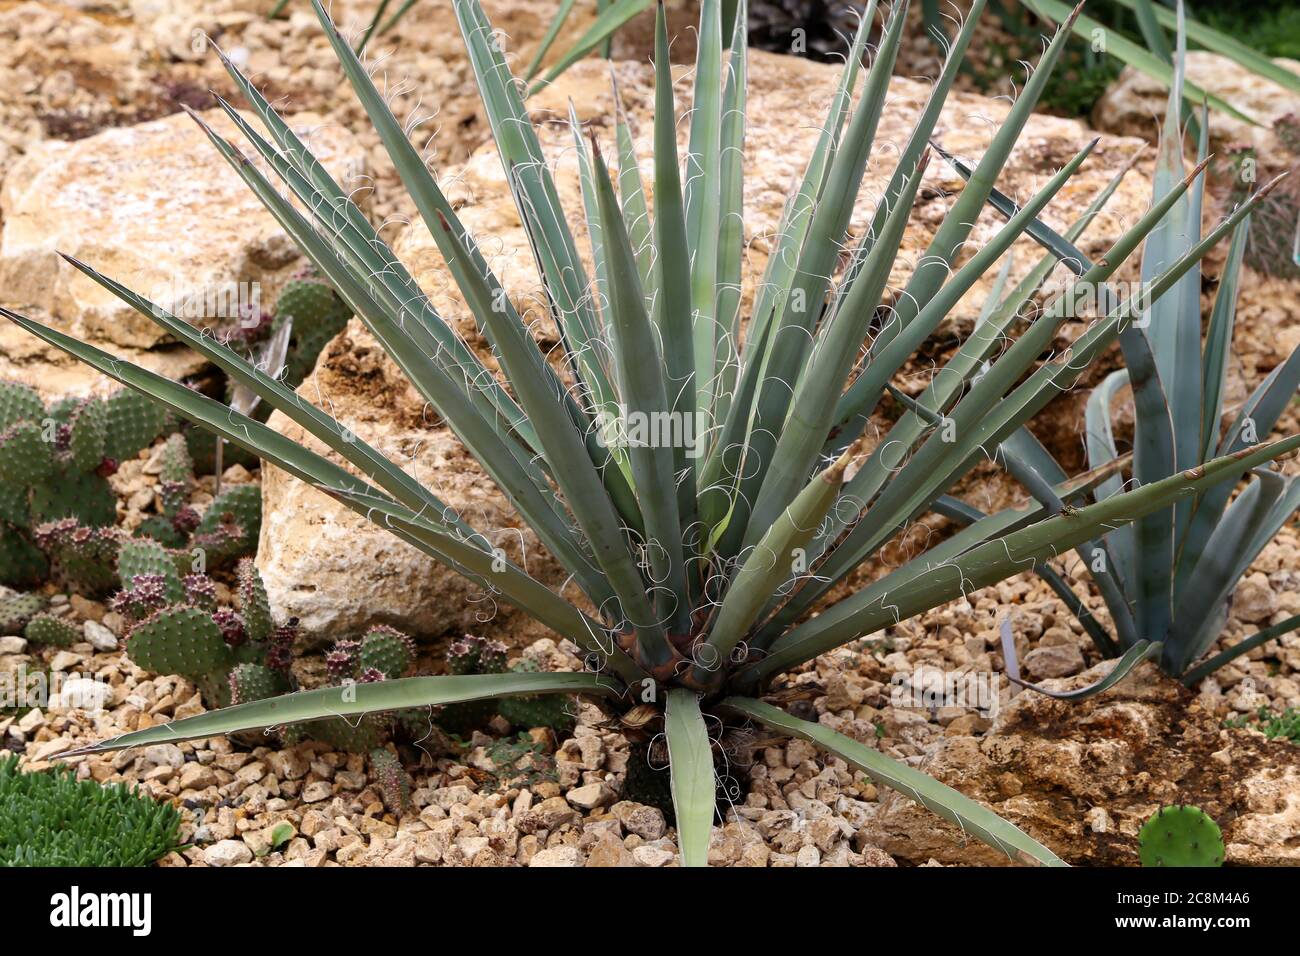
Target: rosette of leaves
pixel 705 569
pixel 51 819
pixel 1168 579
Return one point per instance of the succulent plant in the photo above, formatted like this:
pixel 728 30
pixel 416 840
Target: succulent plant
pixel 86 560
pixel 474 655
pixel 57 510
pixel 1180 836
pixel 382 653
pixel 1168 579
pixel 232 657
pixel 394 782
pixel 317 314
pixel 83 559
pixel 703 568
pixel 17 609
pixel 54 464
pixel 51 819
pixel 52 631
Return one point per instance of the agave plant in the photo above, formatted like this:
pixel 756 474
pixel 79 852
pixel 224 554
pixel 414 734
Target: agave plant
pixel 700 571
pixel 1170 577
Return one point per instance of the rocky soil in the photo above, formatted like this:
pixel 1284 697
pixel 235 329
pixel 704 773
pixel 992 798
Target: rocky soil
pixel 97 161
pixel 1081 777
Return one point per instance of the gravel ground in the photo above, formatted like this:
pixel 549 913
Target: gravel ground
pixel 560 805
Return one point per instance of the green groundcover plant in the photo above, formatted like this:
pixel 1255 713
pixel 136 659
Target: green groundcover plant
pixel 50 818
pixel 702 562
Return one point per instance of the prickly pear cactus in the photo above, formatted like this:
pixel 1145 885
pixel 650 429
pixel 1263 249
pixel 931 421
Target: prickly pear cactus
pixel 54 465
pixel 355 734
pixel 318 314
pixel 51 631
pixel 394 782
pixel 1180 836
pixel 231 525
pixel 382 653
pixel 22 564
pixel 474 655
pixel 186 641
pixel 254 607
pixel 386 650
pixel 83 559
pixel 232 657
pixel 16 610
pixel 250 682
pixel 138 557
pixel 132 422
pixel 556 711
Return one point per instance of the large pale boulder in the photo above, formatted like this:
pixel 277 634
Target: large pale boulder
pixel 155 207
pixel 55 374
pixel 334 571
pixel 1135 104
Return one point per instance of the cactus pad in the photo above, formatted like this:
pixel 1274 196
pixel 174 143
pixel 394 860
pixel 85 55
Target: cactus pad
pixel 70 493
pixel 131 422
pixel 178 640
pixel 394 782
pixel 26 458
pixel 318 315
pixel 21 563
pixel 19 403
pixel 87 428
pixel 84 559
pixel 52 631
pixel 249 682
pixel 142 556
pixel 17 609
pixel 387 650
pixel 1180 836
pixel 253 604
pixel 230 527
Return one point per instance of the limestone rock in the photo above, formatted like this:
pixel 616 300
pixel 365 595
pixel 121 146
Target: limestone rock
pixel 1054 661
pixel 55 374
pixel 227 853
pixel 83 693
pixel 1135 104
pixel 64 73
pixel 1254 600
pixel 557 856
pixel 1143 744
pixel 155 207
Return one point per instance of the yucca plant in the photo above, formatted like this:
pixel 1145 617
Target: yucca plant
pixel 1169 578
pixel 701 568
